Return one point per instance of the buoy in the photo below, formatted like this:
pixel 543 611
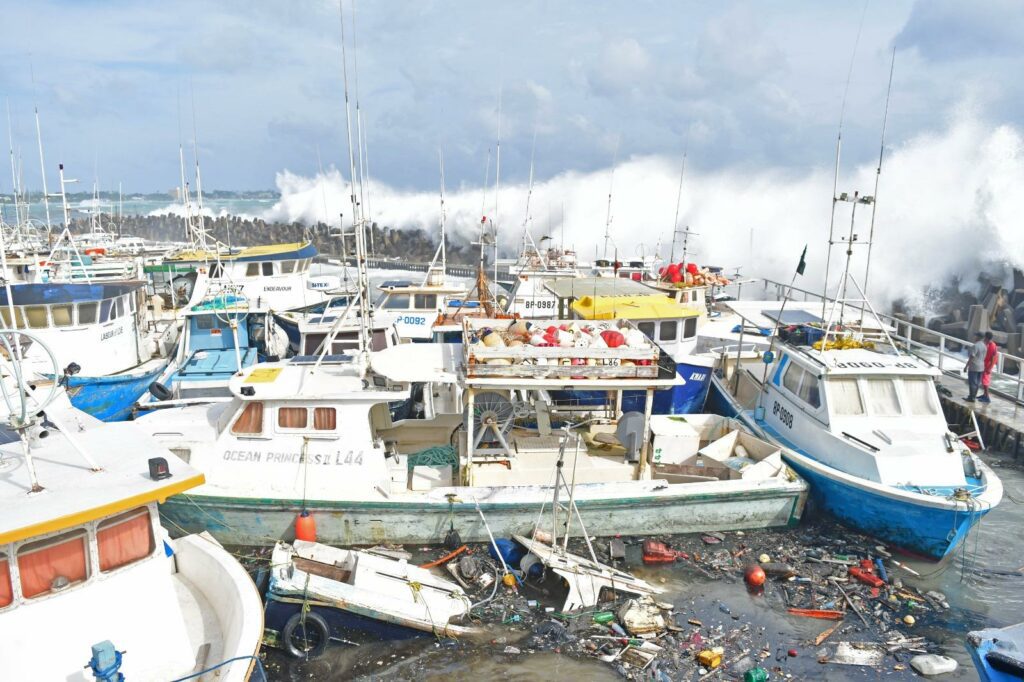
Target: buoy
pixel 305 527
pixel 909 620
pixel 764 559
pixel 509 580
pixel 754 576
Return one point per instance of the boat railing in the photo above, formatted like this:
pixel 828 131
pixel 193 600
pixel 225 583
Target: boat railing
pixel 940 350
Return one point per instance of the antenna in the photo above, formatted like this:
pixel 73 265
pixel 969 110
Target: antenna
pixel 878 175
pixel 497 188
pixel 360 139
pixel 444 255
pixel 529 193
pixel 195 154
pixel 839 147
pixel 611 185
pixel 14 169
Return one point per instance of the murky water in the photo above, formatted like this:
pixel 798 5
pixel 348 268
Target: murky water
pixel 984 586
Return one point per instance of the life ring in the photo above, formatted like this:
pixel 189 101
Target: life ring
pixel 160 392
pixel 306 636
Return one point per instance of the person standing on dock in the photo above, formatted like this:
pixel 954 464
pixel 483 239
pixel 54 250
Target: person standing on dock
pixel 991 355
pixel 975 366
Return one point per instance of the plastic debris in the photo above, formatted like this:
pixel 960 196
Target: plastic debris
pixel 933 664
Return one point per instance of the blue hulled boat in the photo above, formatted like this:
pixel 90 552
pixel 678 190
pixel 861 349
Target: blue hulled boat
pixel 865 428
pixel 998 653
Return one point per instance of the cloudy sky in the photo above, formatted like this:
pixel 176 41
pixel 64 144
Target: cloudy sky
pixel 751 85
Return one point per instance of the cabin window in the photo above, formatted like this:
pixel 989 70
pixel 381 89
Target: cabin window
pixel 325 419
pixel 287 267
pixel 809 391
pixel 36 316
pixel 647 328
pixel 62 314
pixel 920 395
pixel 425 301
pixel 268 269
pixel 378 340
pixel 669 331
pixel 216 271
pixel 205 321
pixel 881 396
pixel 87 312
pixel 844 394
pixel 44 564
pixel 802 384
pixel 689 327
pixel 119 306
pixel 396 302
pixel 250 422
pixel 292 417
pixel 6 592
pixel 252 270
pixel 19 318
pixel 124 539
pixel 105 308
pixel 693 296
pixel 792 378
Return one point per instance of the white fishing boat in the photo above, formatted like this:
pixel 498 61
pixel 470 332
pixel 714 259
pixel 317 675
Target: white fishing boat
pixel 83 558
pixel 356 595
pixel 861 421
pixel 393 448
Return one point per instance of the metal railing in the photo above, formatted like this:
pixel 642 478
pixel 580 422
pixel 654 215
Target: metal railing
pixel 949 362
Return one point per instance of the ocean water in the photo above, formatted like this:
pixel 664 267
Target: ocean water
pixel 984 586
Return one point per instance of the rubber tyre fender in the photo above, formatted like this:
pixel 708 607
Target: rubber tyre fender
pixel 160 392
pixel 315 623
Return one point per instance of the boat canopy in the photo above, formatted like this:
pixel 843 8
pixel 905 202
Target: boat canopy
pixel 418 362
pixel 74 494
pixel 648 307
pixel 58 292
pixel 577 287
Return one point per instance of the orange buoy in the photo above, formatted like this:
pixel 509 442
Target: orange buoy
pixel 754 575
pixel 305 527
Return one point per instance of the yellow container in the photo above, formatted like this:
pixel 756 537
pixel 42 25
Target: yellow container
pixel 709 659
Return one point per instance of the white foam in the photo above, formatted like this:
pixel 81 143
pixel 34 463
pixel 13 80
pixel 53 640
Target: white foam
pixel 946 208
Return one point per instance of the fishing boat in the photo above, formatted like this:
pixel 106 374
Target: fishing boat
pixel 998 653
pixel 84 558
pixel 320 434
pixel 272 276
pixel 222 334
pixel 670 322
pixel 318 592
pixel 100 335
pixel 861 421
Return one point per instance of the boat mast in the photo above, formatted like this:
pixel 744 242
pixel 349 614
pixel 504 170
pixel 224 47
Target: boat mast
pixel 444 254
pixel 365 310
pixel 679 201
pixel 497 190
pixel 14 170
pixel 42 170
pixel 360 135
pixel 199 177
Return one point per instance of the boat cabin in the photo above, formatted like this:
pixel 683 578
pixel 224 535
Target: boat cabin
pixel 98 326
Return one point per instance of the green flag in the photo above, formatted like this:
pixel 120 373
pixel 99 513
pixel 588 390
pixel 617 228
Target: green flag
pixel 803 262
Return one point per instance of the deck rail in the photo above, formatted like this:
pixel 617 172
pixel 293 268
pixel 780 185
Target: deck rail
pixel 941 353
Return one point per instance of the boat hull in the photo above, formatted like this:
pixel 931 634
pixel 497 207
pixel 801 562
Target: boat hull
pixel 924 525
pixel 997 653
pixel 110 398
pixel 254 521
pixel 344 624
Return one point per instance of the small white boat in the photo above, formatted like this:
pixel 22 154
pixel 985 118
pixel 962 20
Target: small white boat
pixel 84 559
pixel 589 582
pixel 352 593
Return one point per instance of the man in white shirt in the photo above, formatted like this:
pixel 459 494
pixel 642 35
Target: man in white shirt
pixel 975 366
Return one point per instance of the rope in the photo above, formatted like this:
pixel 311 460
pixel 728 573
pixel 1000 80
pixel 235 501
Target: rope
pixel 441 455
pixel 259 666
